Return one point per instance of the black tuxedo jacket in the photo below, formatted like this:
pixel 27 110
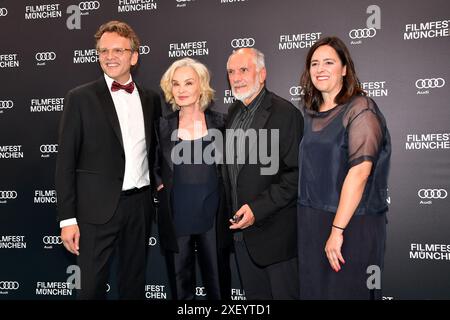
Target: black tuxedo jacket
pixel 272 198
pixel 91 160
pixel 165 126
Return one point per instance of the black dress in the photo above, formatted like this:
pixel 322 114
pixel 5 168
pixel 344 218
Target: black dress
pixel 333 142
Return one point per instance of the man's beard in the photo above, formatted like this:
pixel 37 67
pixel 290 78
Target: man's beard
pixel 246 95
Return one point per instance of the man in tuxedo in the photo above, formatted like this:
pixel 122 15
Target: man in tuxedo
pixel 104 177
pixel 262 201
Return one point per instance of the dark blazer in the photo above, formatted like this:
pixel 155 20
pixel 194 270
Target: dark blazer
pixel 91 160
pixel 272 198
pixel 165 126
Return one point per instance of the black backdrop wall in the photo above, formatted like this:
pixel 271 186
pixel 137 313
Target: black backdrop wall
pixel 401 49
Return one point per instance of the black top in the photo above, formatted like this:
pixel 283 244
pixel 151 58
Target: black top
pixel 195 192
pixel 336 140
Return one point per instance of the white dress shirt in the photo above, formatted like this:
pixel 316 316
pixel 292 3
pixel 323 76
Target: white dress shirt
pixel 129 111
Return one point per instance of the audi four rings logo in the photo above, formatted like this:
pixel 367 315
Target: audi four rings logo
pixel 6 104
pixel 89 5
pixel 152 241
pixel 45 56
pixel 9 285
pixel 200 291
pixel 3 12
pixel 49 148
pixel 432 193
pixel 430 83
pixel 144 50
pixel 362 33
pixel 8 194
pixel 242 42
pixel 52 240
pixel 295 91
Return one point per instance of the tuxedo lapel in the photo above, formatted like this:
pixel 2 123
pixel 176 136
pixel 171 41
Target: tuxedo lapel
pixel 107 104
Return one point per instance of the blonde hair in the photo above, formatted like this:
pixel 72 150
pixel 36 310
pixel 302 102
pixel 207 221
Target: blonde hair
pixel 206 92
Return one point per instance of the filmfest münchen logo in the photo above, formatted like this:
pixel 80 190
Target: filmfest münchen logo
pixel 81 56
pixel 155 292
pixel 427 141
pixel 232 1
pixel 44 196
pixel 9 60
pixel 375 88
pixel 11 152
pixel 424 86
pixel 188 49
pixel 424 30
pixel 237 294
pixel 43 11
pixel 136 5
pixel 298 41
pixel 12 242
pixel 46 104
pixel 228 97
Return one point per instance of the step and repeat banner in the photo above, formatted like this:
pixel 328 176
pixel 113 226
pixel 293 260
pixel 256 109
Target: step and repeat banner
pixel 402 55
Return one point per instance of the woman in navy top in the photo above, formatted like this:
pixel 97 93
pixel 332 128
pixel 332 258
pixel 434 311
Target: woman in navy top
pixel 344 165
pixel 190 190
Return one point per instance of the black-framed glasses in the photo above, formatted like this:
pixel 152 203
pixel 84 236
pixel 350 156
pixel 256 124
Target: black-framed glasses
pixel 117 52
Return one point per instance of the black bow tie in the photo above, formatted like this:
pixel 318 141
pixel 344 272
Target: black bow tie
pixel 127 87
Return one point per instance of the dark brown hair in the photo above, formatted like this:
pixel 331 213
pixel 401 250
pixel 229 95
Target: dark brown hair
pixel 122 29
pixel 350 84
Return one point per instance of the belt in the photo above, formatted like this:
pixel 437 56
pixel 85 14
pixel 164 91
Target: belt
pixel 130 192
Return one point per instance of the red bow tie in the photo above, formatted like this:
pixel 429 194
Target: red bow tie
pixel 117 86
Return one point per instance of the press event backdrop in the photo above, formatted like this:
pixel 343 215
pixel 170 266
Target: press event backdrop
pixel 401 49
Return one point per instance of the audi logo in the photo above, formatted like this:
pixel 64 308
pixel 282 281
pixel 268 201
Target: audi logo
pixel 200 291
pixel 144 49
pixel 108 287
pixel 296 91
pixel 432 193
pixel 49 148
pixel 8 194
pixel 52 240
pixel 152 241
pixel 6 104
pixel 89 5
pixel 242 42
pixel 9 285
pixel 45 56
pixel 430 83
pixel 3 12
pixel 362 33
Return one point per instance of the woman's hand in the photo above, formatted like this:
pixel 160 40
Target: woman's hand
pixel 333 249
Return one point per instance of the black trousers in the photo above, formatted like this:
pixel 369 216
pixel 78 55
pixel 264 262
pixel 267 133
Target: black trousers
pixel 278 281
pixel 182 265
pixel 127 233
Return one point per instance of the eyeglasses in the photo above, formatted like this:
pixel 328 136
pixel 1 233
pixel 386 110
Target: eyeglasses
pixel 117 52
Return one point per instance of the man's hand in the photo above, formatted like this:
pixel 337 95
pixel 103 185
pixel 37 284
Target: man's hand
pixel 70 236
pixel 243 218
